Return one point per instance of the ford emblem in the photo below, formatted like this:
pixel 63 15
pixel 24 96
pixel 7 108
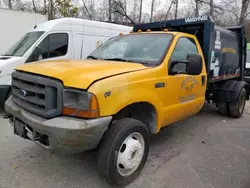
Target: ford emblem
pixel 23 93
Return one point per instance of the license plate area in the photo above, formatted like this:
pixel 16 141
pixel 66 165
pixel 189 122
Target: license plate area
pixel 19 128
pixel 25 131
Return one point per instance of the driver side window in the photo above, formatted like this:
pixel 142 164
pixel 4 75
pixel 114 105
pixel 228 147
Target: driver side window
pixel 54 45
pixel 183 47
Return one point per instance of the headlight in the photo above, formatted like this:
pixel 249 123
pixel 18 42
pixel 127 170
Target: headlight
pixel 80 104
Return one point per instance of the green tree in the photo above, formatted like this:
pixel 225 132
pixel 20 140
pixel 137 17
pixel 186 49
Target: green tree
pixel 66 8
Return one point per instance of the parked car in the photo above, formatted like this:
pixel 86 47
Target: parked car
pixel 66 38
pixel 128 89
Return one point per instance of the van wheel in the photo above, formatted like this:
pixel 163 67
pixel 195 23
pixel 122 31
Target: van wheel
pixel 123 151
pixel 223 108
pixel 8 95
pixel 236 109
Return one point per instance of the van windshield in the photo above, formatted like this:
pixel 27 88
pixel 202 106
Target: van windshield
pixel 19 48
pixel 148 49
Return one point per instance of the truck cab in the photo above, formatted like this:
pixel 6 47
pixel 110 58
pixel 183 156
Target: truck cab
pixel 128 89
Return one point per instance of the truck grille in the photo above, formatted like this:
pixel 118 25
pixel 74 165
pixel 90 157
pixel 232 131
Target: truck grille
pixel 37 94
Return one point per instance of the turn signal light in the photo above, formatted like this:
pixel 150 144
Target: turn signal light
pixel 92 112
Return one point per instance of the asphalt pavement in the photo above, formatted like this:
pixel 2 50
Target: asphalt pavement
pixel 203 151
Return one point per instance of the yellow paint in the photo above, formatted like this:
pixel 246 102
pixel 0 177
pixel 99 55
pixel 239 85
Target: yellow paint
pixel 182 96
pixel 229 50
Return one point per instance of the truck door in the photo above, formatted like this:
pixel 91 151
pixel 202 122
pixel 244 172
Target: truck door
pixel 185 93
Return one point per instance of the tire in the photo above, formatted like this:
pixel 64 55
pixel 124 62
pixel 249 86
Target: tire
pixel 113 149
pixel 8 95
pixel 223 108
pixel 236 109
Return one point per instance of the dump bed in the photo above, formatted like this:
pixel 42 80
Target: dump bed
pixel 224 48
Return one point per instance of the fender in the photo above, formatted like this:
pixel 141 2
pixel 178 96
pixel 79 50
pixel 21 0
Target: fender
pixel 238 87
pixel 122 97
pixel 229 90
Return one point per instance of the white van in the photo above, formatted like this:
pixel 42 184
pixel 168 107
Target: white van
pixel 66 38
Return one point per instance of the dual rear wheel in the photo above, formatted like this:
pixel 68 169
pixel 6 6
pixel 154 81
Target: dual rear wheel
pixel 234 109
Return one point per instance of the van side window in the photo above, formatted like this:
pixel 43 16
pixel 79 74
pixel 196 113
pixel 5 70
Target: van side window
pixel 58 45
pixel 54 45
pixel 183 47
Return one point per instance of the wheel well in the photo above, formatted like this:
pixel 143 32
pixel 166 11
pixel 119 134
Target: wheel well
pixel 142 111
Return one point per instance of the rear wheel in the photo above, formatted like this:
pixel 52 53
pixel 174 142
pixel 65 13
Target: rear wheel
pixel 123 151
pixel 236 109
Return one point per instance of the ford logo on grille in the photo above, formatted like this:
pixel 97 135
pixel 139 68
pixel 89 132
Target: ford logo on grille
pixel 23 93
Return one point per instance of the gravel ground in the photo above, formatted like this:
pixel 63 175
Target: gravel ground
pixel 204 151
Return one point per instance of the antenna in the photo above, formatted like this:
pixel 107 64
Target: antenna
pixel 35 20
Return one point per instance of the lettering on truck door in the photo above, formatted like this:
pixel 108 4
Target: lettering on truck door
pixel 185 93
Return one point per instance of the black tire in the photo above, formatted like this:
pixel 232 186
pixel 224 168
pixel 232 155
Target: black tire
pixel 8 95
pixel 223 108
pixel 236 109
pixel 111 145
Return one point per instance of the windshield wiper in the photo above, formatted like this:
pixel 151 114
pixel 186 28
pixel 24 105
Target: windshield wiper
pixel 117 59
pixel 91 57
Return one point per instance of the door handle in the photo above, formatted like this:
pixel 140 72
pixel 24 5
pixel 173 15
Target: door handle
pixel 203 79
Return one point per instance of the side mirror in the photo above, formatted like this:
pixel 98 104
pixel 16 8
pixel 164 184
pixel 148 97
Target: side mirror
pixel 36 54
pixel 193 65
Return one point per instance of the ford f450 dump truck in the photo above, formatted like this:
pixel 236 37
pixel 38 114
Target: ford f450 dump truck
pixel 129 88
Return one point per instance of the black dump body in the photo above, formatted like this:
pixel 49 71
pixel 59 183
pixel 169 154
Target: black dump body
pixel 224 48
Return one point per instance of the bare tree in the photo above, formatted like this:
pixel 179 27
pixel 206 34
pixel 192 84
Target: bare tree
pixel 169 8
pixel 152 10
pixel 34 6
pixel 45 6
pixel 109 12
pixel 196 7
pixel 51 9
pixel 87 10
pixel 125 7
pixel 140 12
pixel 243 14
pixel 212 8
pixel 10 4
pixel 119 8
pixel 176 9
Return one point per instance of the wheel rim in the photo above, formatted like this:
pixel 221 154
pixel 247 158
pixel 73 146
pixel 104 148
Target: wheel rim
pixel 130 154
pixel 242 103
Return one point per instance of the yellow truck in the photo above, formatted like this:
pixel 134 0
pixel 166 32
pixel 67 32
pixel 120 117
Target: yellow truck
pixel 128 89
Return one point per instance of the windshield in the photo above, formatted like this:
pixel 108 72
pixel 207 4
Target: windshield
pixel 24 44
pixel 142 48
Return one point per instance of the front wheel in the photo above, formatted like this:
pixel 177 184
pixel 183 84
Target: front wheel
pixel 123 151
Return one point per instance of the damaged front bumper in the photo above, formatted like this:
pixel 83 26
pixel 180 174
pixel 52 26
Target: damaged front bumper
pixel 60 134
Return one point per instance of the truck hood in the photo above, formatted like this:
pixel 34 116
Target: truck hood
pixel 80 73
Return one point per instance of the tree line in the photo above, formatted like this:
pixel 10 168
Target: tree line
pixel 130 12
